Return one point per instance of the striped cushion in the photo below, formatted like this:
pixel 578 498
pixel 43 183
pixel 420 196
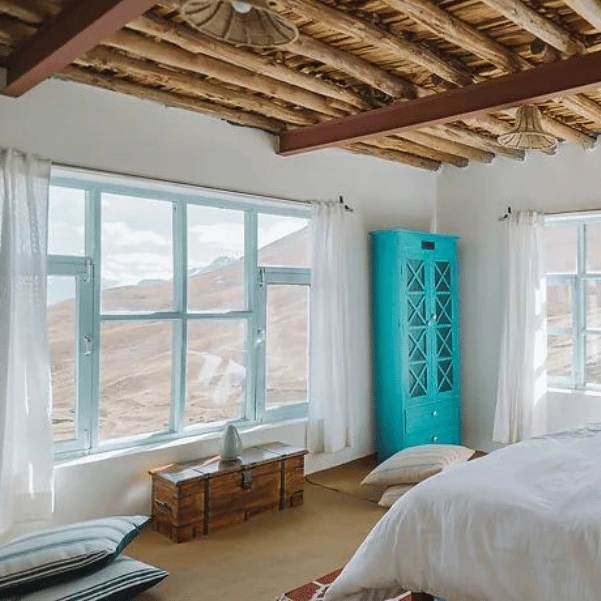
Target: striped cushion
pixel 54 555
pixel 121 580
pixel 415 464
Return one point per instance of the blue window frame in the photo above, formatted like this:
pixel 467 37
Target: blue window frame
pixel 573 261
pixel 154 335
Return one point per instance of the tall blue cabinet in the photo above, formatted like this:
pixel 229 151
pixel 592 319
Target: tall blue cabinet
pixel 415 339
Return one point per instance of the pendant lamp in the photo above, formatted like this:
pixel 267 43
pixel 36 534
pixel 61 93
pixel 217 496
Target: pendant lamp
pixel 248 23
pixel 528 132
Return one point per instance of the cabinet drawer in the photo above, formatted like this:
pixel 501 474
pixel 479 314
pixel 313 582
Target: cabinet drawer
pixel 443 435
pixel 431 416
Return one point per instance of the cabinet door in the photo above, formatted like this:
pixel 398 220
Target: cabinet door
pixel 416 331
pixel 443 320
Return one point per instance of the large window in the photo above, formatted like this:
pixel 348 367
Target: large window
pixel 172 310
pixel 573 256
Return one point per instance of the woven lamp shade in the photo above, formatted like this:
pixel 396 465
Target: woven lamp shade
pixel 528 132
pixel 248 23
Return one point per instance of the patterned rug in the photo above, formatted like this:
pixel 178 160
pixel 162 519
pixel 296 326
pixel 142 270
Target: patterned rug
pixel 315 590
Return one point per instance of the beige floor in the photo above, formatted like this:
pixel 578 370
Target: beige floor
pixel 272 553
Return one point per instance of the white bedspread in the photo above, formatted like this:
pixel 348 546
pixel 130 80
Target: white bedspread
pixel 522 524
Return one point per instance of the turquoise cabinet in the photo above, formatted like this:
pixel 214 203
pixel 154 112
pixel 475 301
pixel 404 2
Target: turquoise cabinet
pixel 415 339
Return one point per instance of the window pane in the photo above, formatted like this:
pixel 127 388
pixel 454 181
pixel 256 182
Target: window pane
pixel 593 304
pixel 66 221
pixel 215 259
pixel 559 306
pixel 287 344
pixel 137 254
pixel 559 355
pixel 593 360
pixel 62 332
pixel 135 377
pixel 283 241
pixel 593 247
pixel 561 248
pixel 216 370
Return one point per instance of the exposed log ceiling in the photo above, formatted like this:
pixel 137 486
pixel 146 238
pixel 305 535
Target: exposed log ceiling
pixel 352 56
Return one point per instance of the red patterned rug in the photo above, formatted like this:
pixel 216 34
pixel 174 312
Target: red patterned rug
pixel 315 590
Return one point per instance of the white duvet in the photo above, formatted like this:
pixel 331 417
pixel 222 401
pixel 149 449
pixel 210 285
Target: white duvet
pixel 522 524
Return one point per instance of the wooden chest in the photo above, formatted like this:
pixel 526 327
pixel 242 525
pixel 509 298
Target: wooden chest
pixel 199 497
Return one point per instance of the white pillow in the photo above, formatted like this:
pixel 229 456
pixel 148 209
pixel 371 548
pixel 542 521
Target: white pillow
pixel 392 493
pixel 415 464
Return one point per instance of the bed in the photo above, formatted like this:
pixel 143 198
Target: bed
pixel 521 524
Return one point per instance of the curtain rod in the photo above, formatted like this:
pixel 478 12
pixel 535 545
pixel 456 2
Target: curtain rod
pixel 576 211
pixel 180 183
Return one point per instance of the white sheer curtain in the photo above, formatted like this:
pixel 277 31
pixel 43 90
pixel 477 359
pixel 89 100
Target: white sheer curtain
pixel 522 384
pixel 26 460
pixel 339 357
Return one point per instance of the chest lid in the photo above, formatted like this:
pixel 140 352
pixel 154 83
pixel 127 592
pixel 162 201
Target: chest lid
pixel 210 467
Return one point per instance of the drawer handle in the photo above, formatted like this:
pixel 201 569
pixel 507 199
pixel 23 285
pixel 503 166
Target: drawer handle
pixel 163 505
pixel 434 438
pixel 435 413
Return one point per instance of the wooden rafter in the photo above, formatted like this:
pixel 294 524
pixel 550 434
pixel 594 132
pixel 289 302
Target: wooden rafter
pixel 74 31
pixel 465 36
pixel 107 82
pixel 363 70
pixel 393 155
pixel 458 32
pixel 176 57
pixel 531 20
pixel 457 148
pixel 419 150
pixel 587 9
pixel 192 85
pixel 541 83
pixel 349 25
pixel 197 43
pixel 28 10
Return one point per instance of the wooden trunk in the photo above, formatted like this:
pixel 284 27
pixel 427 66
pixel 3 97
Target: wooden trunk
pixel 199 497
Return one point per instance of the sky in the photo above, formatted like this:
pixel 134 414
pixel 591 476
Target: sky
pixel 137 240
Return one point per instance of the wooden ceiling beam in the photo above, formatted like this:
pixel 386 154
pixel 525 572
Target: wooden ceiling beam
pixel 75 30
pixel 467 136
pixel 107 82
pixel 351 64
pixel 350 25
pixel 538 84
pixel 419 150
pixel 449 146
pixel 393 155
pixel 529 19
pixel 458 32
pixel 466 36
pixel 197 43
pixel 589 10
pixel 584 106
pixel 191 84
pixel 564 132
pixel 28 11
pixel 178 58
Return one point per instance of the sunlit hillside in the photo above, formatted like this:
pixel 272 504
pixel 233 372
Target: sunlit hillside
pixel 136 357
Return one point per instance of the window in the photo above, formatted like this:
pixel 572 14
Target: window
pixel 573 256
pixel 172 310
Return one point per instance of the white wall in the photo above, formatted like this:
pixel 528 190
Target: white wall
pixel 87 127
pixel 469 202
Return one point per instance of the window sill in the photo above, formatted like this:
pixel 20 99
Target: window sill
pixel 589 392
pixel 177 443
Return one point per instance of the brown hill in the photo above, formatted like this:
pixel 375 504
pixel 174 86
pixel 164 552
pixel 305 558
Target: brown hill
pixel 136 357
